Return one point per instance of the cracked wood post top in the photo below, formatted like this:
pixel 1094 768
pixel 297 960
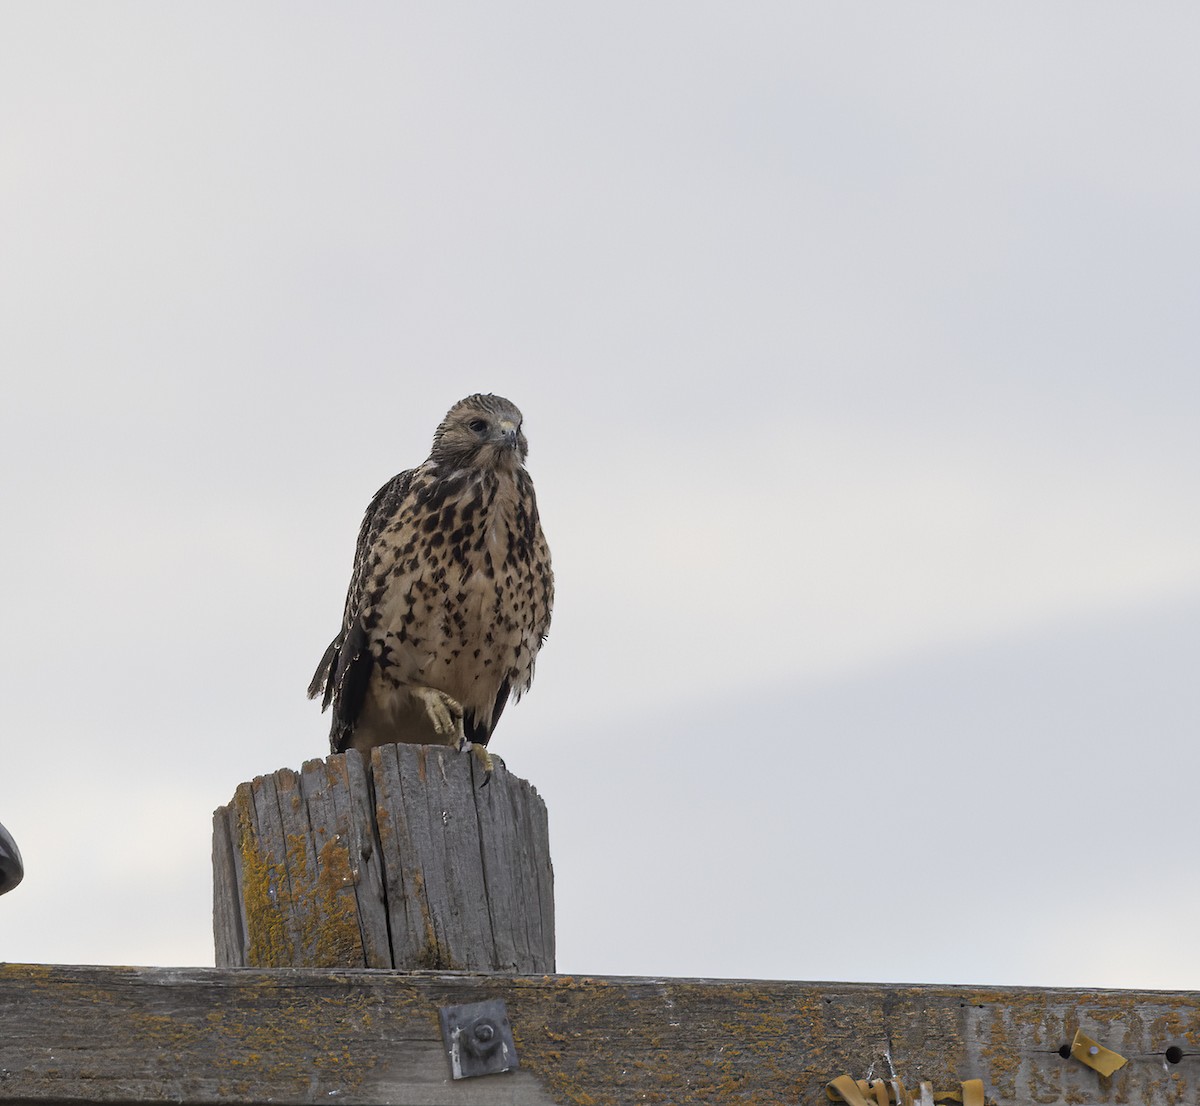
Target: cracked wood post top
pixel 405 862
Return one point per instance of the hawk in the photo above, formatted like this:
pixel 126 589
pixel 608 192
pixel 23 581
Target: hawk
pixel 450 596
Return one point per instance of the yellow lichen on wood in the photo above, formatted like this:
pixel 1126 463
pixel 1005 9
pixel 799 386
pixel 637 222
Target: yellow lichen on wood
pixel 336 938
pixel 321 906
pixel 261 883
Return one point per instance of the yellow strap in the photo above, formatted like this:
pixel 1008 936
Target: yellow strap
pixel 855 1093
pixel 880 1090
pixel 972 1092
pixel 845 1089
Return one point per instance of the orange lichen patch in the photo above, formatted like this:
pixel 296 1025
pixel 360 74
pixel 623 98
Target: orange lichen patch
pixel 263 884
pixel 298 912
pixel 676 1043
pixel 333 932
pixel 237 1043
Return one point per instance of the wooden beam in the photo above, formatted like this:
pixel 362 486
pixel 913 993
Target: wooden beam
pixel 208 1035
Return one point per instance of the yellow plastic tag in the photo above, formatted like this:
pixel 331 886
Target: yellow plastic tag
pixel 1095 1055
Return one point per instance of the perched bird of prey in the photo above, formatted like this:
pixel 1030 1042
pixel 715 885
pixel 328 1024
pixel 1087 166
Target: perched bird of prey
pixel 450 597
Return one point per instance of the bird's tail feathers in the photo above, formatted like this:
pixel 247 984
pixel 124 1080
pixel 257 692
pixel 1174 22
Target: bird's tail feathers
pixel 322 679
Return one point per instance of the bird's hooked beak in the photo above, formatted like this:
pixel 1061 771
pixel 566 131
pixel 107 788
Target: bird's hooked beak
pixel 507 431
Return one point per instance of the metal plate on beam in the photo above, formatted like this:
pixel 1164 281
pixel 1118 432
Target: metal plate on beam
pixel 478 1039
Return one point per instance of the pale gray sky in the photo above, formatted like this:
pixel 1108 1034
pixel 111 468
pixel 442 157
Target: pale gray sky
pixel 858 354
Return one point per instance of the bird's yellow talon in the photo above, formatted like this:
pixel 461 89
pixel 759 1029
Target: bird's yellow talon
pixel 480 753
pixel 444 713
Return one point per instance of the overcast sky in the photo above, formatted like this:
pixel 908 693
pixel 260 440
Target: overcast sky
pixel 858 351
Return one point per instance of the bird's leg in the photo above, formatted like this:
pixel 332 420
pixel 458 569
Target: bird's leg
pixel 445 714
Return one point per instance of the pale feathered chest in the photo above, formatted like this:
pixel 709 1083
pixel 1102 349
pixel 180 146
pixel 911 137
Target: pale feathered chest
pixel 458 588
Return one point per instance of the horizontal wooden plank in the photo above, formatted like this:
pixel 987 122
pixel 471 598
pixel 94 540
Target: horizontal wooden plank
pixel 207 1035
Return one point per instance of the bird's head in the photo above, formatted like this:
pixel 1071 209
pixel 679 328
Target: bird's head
pixel 481 431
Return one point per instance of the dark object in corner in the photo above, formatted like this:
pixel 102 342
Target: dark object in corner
pixel 11 869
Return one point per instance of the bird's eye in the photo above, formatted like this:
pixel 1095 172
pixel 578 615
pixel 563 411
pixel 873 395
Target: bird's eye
pixel 478 425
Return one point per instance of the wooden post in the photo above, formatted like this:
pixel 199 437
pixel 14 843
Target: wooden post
pixel 408 863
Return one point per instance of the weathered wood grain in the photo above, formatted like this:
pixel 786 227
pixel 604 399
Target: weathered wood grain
pixel 199 1035
pixel 296 875
pixel 338 798
pixel 471 883
pixel 412 865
